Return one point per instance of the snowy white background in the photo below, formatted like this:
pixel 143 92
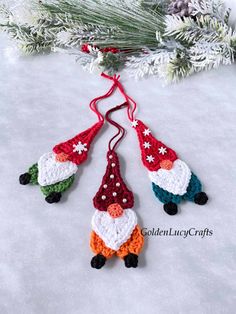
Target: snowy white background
pixel 44 249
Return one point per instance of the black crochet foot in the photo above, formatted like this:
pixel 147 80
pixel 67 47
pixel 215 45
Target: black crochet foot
pixel 131 260
pixel 24 178
pixel 53 197
pixel 98 261
pixel 201 198
pixel 171 208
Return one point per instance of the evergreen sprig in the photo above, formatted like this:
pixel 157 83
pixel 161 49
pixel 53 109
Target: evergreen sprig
pixel 147 39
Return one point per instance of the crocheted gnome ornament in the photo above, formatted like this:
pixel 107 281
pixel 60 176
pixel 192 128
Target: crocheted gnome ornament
pixel 55 170
pixel 114 224
pixel 172 180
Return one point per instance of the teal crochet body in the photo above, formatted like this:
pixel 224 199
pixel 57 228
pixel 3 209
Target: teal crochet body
pixel 165 197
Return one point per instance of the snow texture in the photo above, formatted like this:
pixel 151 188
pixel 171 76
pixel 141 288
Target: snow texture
pixel 44 249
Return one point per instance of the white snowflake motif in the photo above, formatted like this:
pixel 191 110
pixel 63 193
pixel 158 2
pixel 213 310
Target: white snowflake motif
pixel 150 158
pixel 134 123
pixel 146 145
pixel 80 147
pixel 162 150
pixel 146 132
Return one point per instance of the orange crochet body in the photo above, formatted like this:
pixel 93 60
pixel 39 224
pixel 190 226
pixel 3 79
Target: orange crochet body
pixel 133 245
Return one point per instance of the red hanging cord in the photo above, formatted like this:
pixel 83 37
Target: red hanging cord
pixel 93 103
pixel 120 129
pixel 131 107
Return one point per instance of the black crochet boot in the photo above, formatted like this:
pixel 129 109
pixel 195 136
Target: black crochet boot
pixel 171 208
pixel 24 178
pixel 53 197
pixel 98 261
pixel 201 198
pixel 131 260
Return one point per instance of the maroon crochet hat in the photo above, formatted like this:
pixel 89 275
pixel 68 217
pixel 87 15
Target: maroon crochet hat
pixel 113 190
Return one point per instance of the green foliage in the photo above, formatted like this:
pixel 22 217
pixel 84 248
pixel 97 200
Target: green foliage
pixel 150 41
pixel 127 25
pixel 111 62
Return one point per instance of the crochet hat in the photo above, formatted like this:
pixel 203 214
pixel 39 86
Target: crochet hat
pixel 76 149
pixel 155 154
pixel 113 190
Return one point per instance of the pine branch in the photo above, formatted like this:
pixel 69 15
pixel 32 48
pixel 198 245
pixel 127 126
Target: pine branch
pixel 203 28
pixel 211 55
pixel 133 24
pixel 147 41
pixel 75 37
pixel 29 40
pixel 213 8
pixel 150 63
pixel 179 68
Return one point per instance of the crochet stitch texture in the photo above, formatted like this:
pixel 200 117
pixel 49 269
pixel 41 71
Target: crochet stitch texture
pixel 194 187
pixel 55 171
pixel 114 232
pixel 113 189
pixel 82 141
pixel 114 223
pixel 172 179
pixel 134 245
pixel 50 171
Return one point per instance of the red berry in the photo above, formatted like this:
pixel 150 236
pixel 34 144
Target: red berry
pixel 84 48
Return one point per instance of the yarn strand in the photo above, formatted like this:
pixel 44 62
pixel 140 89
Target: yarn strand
pixel 121 131
pixel 93 103
pixel 132 106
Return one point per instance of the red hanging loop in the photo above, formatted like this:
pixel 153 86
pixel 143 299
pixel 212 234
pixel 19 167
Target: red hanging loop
pixel 93 103
pixel 130 102
pixel 121 130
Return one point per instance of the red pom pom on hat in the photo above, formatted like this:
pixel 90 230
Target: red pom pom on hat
pixel 113 190
pixel 77 148
pixel 155 154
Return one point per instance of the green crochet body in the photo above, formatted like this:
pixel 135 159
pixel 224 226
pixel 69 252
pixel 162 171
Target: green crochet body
pixel 165 197
pixel 33 171
pixel 58 187
pixel 61 186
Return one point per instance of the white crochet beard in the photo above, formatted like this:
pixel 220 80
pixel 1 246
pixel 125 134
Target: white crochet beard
pixel 175 180
pixel 114 231
pixel 50 171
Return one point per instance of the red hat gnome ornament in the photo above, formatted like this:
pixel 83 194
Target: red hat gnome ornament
pixel 172 180
pixel 55 171
pixel 114 224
